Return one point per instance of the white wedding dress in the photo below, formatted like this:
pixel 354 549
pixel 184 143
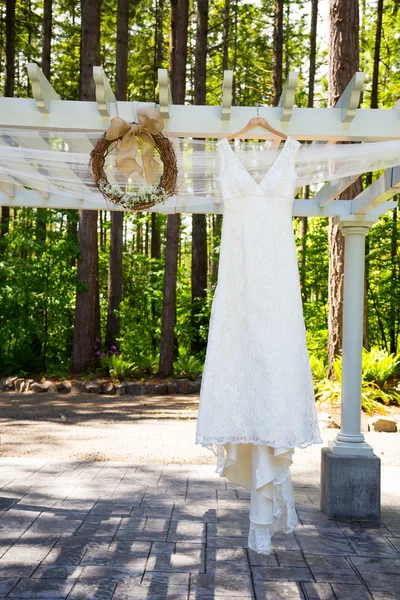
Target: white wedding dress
pixel 257 397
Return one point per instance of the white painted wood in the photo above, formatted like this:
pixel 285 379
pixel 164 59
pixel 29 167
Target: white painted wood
pixel 190 204
pixel 164 92
pixel 332 189
pixel 105 96
pixel 350 435
pixel 205 121
pixel 350 98
pixel 8 188
pixel 378 192
pixel 286 101
pixel 42 90
pixel 227 91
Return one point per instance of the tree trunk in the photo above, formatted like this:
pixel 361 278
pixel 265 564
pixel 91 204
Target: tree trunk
pixel 394 302
pixel 46 38
pixel 199 223
pixel 225 46
pixel 87 312
pixel 114 277
pixel 310 103
pixel 10 49
pixel 343 63
pixel 278 52
pixel 41 215
pixel 87 318
pixel 178 55
pixel 8 92
pixel 368 176
pixel 377 53
pixel 117 217
pixel 121 66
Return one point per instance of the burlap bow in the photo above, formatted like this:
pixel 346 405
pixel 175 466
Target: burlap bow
pixel 150 123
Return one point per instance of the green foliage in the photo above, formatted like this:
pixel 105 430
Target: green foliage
pixel 379 365
pixel 377 368
pixel 118 367
pixel 188 366
pixel 318 368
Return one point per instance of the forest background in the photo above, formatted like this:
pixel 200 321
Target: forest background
pixel 77 289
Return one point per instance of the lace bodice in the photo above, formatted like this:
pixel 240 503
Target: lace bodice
pixel 278 182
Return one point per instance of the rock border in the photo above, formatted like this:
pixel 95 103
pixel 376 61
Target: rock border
pixel 108 388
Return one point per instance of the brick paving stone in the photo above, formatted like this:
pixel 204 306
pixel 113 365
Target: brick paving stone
pixel 285 541
pixel 70 551
pixel 103 589
pixel 132 555
pixel 290 558
pixel 386 595
pixel 350 592
pixel 263 560
pixel 220 586
pixel 18 569
pixel 186 531
pixel 57 572
pixel 42 588
pixel 96 526
pixel 227 542
pixel 115 574
pixel 107 531
pixel 181 557
pixel 228 560
pixel 7 584
pixel 282 573
pixel 323 541
pixel 285 590
pixel 371 545
pixel 331 569
pixel 28 550
pixel 318 591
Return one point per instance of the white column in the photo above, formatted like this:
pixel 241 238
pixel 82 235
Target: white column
pixel 350 440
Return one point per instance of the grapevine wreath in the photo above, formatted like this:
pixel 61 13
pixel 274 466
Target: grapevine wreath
pixel 126 136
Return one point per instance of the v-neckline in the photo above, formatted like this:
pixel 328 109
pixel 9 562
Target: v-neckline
pixel 243 168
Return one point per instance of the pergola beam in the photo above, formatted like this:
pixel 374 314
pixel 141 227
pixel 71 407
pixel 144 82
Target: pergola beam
pixel 164 92
pixel 350 98
pixel 306 124
pixel 105 96
pixel 286 101
pixel 42 90
pixel 227 94
pixel 378 192
pixel 332 189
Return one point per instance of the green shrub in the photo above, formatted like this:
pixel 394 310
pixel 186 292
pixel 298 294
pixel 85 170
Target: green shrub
pixel 318 368
pixel 149 365
pixel 118 368
pixel 379 365
pixel 188 366
pixel 374 394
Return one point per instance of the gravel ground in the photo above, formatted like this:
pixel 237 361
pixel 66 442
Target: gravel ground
pixel 130 429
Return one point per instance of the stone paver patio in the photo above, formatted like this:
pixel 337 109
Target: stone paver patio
pixel 93 530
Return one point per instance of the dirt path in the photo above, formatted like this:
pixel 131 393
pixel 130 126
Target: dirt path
pixel 153 429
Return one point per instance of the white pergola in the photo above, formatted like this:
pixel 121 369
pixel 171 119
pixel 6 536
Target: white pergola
pixel 343 123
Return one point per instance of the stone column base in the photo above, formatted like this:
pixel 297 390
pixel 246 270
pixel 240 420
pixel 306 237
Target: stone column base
pixel 350 486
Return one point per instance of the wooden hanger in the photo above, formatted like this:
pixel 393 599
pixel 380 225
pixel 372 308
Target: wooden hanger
pixel 257 122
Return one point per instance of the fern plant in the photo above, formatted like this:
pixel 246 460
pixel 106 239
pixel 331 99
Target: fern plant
pixel 373 396
pixel 119 368
pixel 378 365
pixel 188 366
pixel 318 368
